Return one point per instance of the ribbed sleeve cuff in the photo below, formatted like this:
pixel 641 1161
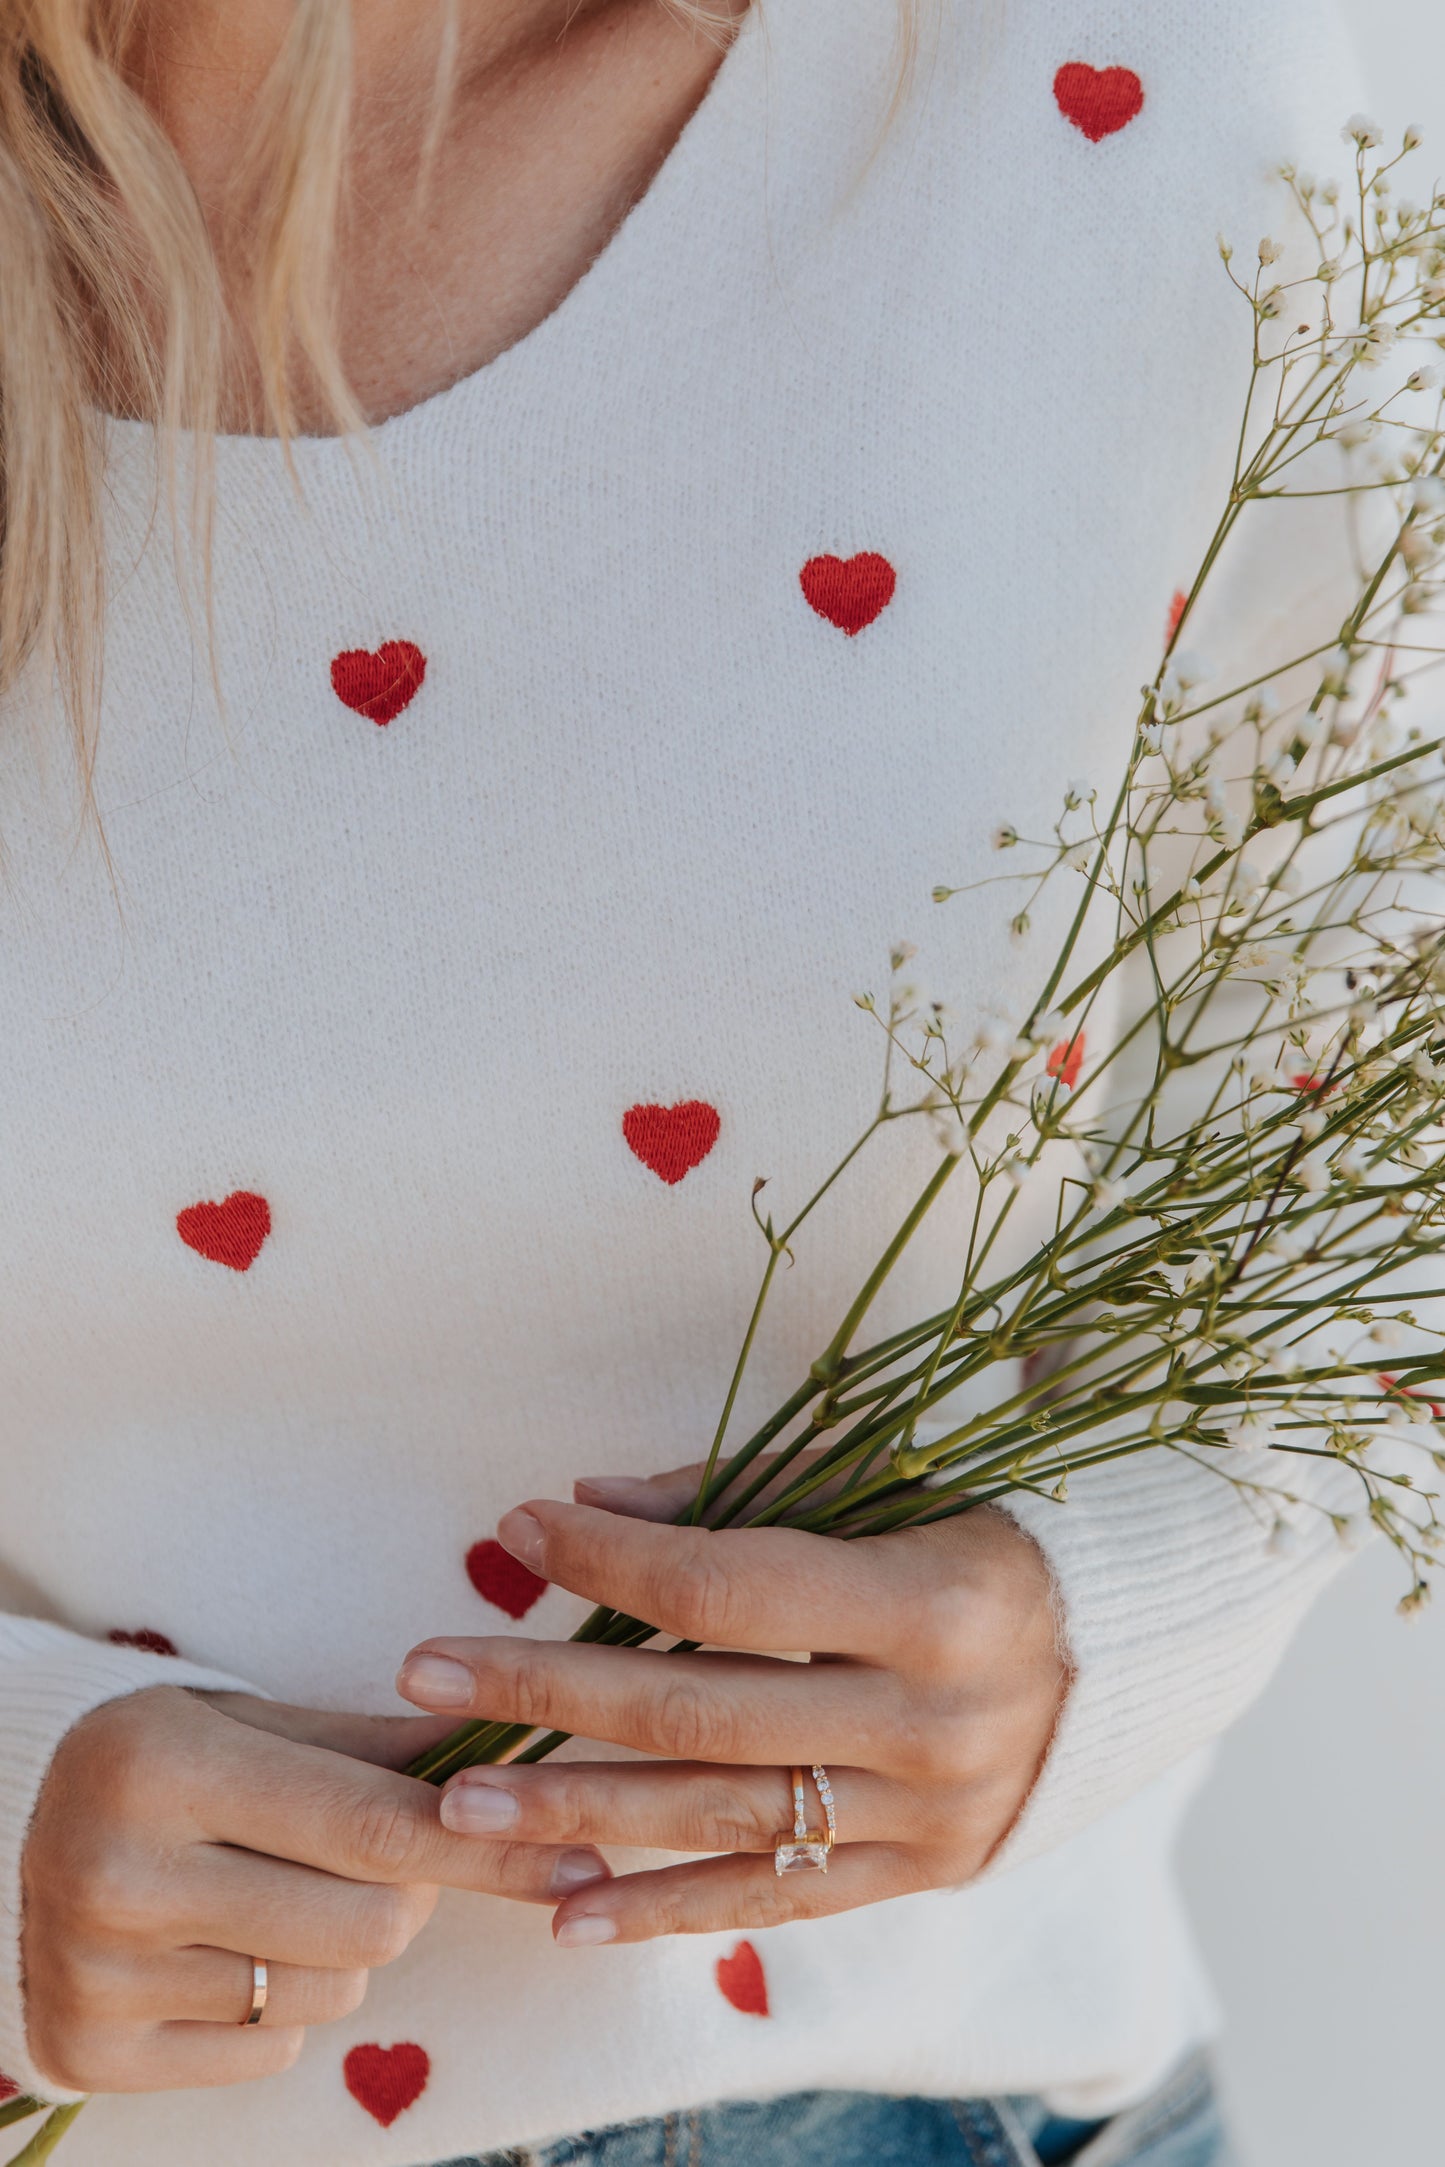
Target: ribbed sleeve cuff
pixel 49 1679
pixel 1176 1607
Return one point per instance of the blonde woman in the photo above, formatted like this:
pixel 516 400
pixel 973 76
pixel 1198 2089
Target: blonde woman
pixel 547 525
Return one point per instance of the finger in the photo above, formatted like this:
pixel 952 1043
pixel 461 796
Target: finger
pixel 669 1806
pixel 288 1914
pixel 736 1708
pixel 719 1893
pixel 386 1741
pixel 756 1588
pixel 176 2057
pixel 670 1496
pixel 214 1986
pixel 320 1809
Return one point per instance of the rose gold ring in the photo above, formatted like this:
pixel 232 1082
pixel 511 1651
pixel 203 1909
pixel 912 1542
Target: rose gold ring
pixel 260 1988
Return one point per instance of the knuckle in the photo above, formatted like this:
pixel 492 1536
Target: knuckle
pixel 341 1995
pixel 526 1681
pixel 388 1919
pixel 943 1626
pixel 564 1805
pixel 722 1817
pixel 278 2050
pixel 110 1891
pixel 694 1723
pixel 71 2054
pixel 777 1902
pixel 704 1596
pixel 387 1829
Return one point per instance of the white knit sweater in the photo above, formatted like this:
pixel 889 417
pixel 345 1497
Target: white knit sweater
pixel 657 786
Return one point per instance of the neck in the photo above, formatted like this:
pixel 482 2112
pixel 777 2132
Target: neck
pixel 201 64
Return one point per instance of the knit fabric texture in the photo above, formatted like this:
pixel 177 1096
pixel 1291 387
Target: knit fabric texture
pixel 378 1141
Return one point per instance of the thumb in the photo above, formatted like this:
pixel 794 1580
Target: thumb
pixel 670 1496
pixel 384 1741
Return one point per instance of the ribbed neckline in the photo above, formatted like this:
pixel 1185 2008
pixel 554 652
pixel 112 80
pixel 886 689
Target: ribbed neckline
pixel 654 224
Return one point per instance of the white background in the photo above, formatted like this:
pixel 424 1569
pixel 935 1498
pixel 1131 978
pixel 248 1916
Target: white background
pixel 1313 1860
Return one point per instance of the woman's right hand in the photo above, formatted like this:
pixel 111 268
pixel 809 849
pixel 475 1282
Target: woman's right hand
pixel 177 1836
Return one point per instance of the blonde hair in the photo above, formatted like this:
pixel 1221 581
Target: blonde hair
pixel 110 296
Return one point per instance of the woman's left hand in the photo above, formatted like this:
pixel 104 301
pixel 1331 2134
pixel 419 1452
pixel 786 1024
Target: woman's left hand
pixel 935 1683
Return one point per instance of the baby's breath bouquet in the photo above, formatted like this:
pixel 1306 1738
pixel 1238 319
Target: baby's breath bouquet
pixel 1245 1166
pixel 1229 1085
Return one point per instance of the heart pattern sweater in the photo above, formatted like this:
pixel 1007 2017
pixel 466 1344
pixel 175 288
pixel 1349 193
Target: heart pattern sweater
pixel 378 1142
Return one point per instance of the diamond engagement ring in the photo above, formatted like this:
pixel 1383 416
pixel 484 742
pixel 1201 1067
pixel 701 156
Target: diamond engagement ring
pixel 803 1849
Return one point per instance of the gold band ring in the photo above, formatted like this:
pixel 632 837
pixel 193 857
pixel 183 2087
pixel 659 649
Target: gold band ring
pixel 260 1988
pixel 801 1849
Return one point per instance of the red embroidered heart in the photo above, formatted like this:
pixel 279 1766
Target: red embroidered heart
pixel 849 591
pixel 672 1140
pixel 144 1637
pixel 1099 101
pixel 500 1578
pixel 742 1981
pixel 9 2089
pixel 1178 603
pixel 387 2080
pixel 229 1233
pixel 379 685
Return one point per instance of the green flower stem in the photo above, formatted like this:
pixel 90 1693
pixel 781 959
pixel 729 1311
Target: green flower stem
pixel 48 2136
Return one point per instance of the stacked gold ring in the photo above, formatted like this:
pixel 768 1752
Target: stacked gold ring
pixel 801 1849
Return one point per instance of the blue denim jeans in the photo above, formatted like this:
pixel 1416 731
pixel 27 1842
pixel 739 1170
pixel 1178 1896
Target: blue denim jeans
pixel 1178 2126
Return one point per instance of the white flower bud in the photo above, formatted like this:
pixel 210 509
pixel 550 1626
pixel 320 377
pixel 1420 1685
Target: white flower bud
pixel 1252 1433
pixel 1108 1195
pixel 1422 379
pixel 1427 494
pixel 1270 251
pixel 1360 129
pixel 1191 669
pixel 1004 838
pixel 1413 137
pixel 1387 1333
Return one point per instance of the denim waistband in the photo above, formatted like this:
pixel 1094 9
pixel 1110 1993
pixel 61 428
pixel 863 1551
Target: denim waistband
pixel 1177 2126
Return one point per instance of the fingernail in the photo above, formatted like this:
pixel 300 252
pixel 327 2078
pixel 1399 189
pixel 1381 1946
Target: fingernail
pixel 520 1533
pixel 585 1928
pixel 435 1681
pixel 574 1870
pixel 607 1487
pixel 478 1809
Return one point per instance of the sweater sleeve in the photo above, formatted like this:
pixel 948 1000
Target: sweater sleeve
pixel 1176 1604
pixel 49 1678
